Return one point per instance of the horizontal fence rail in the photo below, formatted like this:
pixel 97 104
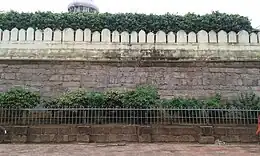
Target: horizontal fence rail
pixel 127 116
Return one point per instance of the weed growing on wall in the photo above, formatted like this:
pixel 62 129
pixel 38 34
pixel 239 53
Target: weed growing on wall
pixel 246 100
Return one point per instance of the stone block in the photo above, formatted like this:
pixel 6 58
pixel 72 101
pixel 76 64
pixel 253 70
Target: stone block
pixel 122 138
pixel 53 138
pixel 26 70
pixel 239 130
pixel 207 140
pixel 114 138
pixel 56 78
pixel 249 139
pixel 18 138
pixel 99 138
pixel 175 130
pixel 20 130
pixel 231 130
pixel 116 130
pixel 202 36
pixel 74 130
pixel 6 70
pixel 220 131
pixel 222 37
pixel 124 37
pixel 100 129
pixel 171 138
pixel 45 138
pixel 129 129
pixel 65 138
pixel 181 37
pixel 161 130
pixel 50 130
pixel 83 138
pixel 186 138
pixel 206 130
pixel 57 138
pixel 192 37
pixel 68 34
pixel 145 138
pixel 9 76
pixel 230 138
pixel 5 138
pixel 72 78
pixel 34 138
pixel 251 130
pixel 128 138
pixel 84 130
pixel 24 76
pixel 71 84
pixel 64 131
pixel 72 138
pixel 147 130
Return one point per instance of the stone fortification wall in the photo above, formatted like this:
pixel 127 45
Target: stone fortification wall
pixel 179 64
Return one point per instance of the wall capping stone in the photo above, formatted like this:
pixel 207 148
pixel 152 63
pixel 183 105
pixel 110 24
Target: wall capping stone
pixel 140 63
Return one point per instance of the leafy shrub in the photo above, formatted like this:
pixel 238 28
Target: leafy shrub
pixel 212 102
pixel 182 103
pixel 126 22
pixel 246 100
pixel 141 97
pixel 19 98
pixel 79 98
pixel 113 99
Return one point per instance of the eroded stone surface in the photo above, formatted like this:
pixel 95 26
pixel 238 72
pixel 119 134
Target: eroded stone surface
pixel 172 79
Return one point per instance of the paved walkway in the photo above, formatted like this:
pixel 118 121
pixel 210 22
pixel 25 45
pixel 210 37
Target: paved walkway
pixel 129 150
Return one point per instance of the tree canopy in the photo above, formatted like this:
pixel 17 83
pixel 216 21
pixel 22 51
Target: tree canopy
pixel 126 21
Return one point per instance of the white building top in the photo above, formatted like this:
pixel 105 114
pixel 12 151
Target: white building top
pixel 84 3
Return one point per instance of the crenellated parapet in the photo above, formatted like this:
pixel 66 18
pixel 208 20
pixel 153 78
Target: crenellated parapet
pixel 86 44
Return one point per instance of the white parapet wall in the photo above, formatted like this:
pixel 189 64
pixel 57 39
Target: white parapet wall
pixel 69 44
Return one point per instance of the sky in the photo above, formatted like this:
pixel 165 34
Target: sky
pixel 249 8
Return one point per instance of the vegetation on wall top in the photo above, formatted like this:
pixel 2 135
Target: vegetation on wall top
pixel 142 97
pixel 126 22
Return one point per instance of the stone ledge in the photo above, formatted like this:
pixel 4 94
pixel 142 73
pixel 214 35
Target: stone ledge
pixel 123 133
pixel 139 63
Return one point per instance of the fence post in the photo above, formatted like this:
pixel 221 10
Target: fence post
pixel 24 117
pixel 85 117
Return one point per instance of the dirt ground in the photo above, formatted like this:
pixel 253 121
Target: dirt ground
pixel 128 150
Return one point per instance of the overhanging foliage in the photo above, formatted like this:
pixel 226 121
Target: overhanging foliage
pixel 126 22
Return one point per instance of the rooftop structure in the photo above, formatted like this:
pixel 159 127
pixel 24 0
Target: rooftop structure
pixel 83 6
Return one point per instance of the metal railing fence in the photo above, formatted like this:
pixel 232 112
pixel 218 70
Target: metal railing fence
pixel 10 116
